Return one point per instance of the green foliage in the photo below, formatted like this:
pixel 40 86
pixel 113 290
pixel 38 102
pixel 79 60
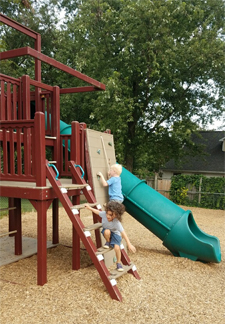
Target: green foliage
pixel 157 59
pixel 212 193
pixel 162 62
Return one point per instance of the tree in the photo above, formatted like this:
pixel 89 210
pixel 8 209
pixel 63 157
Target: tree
pixel 163 64
pixel 40 17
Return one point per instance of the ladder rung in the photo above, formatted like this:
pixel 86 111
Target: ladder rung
pixel 8 233
pixel 74 186
pixel 10 208
pixel 114 274
pixel 93 227
pixel 81 206
pixel 102 250
pixel 50 137
pixel 52 161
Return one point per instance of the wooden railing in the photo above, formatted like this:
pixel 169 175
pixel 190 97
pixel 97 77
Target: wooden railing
pixel 22 156
pixel 10 98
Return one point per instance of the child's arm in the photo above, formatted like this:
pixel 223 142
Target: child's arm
pixel 104 182
pixel 129 245
pixel 96 211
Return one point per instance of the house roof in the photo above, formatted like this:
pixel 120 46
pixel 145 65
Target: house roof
pixel 214 161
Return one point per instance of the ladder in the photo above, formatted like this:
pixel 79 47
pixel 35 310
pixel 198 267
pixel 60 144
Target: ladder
pixel 84 232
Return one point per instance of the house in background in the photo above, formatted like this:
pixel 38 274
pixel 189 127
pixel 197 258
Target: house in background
pixel 210 165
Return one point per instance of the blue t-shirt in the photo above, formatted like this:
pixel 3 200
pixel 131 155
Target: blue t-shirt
pixel 115 188
pixel 114 226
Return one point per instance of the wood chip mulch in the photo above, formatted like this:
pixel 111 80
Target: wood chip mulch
pixel 172 290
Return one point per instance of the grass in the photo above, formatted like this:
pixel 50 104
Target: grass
pixel 26 206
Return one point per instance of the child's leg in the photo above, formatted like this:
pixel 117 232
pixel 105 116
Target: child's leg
pixel 107 235
pixel 118 253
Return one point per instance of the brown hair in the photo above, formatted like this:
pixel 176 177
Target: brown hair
pixel 117 208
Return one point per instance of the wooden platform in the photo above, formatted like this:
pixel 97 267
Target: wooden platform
pixel 29 190
pixel 7 255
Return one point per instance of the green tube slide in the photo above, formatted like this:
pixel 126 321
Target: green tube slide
pixel 173 225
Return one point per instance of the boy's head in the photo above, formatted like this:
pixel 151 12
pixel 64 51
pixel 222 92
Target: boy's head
pixel 114 210
pixel 117 169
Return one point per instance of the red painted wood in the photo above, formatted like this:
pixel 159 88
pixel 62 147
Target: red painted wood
pixel 26 96
pixel 83 126
pixel 55 221
pixel 9 102
pixel 2 100
pixel 12 222
pixel 39 124
pixel 11 152
pixel 19 152
pixel 87 241
pixel 5 153
pixel 14 108
pixel 76 240
pixel 44 58
pixel 18 226
pixel 78 89
pixel 38 62
pixel 12 23
pixel 42 242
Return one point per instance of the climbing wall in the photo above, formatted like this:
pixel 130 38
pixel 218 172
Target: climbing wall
pixel 102 155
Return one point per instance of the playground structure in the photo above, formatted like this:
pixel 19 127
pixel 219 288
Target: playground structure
pixel 77 153
pixel 26 174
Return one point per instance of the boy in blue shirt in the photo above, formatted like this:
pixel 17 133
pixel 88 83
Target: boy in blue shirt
pixel 114 183
pixel 113 231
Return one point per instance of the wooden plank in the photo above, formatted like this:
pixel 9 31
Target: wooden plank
pixel 93 227
pixel 81 206
pixel 9 208
pixel 8 233
pixel 114 274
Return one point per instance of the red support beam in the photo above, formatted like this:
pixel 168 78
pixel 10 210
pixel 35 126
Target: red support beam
pixel 21 28
pixel 44 58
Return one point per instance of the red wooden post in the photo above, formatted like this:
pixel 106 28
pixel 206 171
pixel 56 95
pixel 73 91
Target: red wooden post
pixel 12 223
pixel 83 126
pixel 18 223
pixel 55 125
pixel 75 155
pixel 26 96
pixel 39 126
pixel 41 207
pixel 55 221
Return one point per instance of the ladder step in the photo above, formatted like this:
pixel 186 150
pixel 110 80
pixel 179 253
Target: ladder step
pixel 52 162
pixel 102 250
pixel 74 186
pixel 114 274
pixel 81 206
pixel 93 227
pixel 50 137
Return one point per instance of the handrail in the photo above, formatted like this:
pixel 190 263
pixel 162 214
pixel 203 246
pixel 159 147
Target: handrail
pixel 6 78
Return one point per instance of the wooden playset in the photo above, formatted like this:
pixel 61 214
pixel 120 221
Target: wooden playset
pixel 76 157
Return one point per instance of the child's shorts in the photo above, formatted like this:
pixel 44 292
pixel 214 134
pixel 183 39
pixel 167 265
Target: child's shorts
pixel 114 239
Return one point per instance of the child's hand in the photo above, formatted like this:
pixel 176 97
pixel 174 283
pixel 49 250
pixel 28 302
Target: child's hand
pixel 131 248
pixel 99 174
pixel 87 206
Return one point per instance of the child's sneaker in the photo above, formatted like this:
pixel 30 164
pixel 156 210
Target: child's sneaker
pixel 119 267
pixel 107 245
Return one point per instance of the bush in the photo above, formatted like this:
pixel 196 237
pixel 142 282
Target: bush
pixel 185 191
